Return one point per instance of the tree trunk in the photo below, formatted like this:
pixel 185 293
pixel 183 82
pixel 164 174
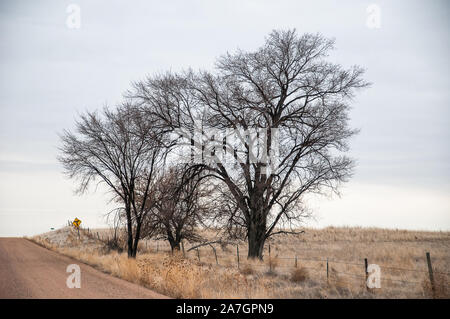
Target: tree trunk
pixel 173 240
pixel 256 235
pixel 137 236
pixel 175 245
pixel 129 232
pixel 256 227
pixel 255 244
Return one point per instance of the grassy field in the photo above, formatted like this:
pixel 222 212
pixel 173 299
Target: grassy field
pixel 295 268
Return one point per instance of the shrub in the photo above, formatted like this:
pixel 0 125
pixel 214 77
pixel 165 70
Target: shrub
pixel 247 270
pixel 299 274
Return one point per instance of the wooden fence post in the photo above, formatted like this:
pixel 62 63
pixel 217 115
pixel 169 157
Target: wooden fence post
pixel 198 255
pixel 365 271
pixel 182 247
pixel 237 254
pixel 215 254
pixel 157 246
pixel 295 261
pixel 328 274
pixel 270 261
pixel 430 273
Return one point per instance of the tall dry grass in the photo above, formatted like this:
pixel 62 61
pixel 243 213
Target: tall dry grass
pixel 277 276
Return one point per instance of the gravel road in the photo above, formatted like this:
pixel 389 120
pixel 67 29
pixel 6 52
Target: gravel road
pixel 28 270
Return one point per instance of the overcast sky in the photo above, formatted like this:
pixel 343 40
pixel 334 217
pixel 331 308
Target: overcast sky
pixel 50 72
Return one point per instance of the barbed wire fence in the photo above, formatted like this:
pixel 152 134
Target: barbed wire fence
pixel 326 269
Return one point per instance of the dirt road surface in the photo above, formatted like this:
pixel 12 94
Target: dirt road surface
pixel 28 270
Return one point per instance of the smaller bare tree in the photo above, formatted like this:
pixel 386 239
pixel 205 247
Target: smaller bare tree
pixel 180 206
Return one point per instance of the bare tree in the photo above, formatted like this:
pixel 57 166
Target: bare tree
pixel 294 101
pixel 121 149
pixel 180 206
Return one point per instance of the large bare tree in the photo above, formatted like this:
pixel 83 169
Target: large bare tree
pixel 286 96
pixel 120 148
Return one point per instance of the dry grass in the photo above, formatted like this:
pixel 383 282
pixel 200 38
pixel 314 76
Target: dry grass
pixel 346 248
pixel 273 263
pixel 441 286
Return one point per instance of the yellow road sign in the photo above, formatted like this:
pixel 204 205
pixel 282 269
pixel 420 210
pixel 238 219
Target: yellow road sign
pixel 76 223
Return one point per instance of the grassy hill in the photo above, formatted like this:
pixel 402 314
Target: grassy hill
pixel 296 266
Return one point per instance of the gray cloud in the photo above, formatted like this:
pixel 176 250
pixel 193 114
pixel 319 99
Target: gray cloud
pixel 49 72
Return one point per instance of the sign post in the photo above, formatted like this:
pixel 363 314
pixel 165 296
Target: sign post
pixel 76 223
